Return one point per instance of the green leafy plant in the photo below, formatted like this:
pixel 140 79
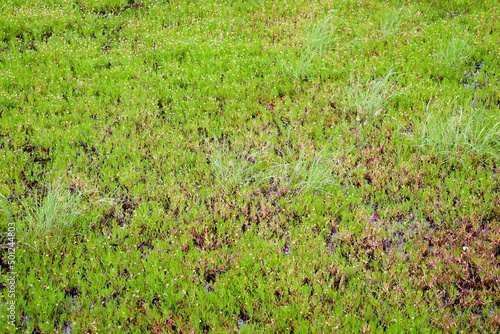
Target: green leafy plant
pixel 129 95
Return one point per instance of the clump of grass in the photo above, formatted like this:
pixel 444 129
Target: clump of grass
pixel 315 175
pixel 392 23
pixel 319 38
pixel 54 213
pixel 300 66
pixel 468 131
pixel 455 52
pixel 370 98
pixel 318 176
pixel 233 170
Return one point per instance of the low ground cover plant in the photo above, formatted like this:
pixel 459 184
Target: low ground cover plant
pixel 241 167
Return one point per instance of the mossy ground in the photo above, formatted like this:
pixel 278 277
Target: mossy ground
pixel 257 166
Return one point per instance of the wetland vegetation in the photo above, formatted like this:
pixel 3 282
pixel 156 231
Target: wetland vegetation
pixel 230 166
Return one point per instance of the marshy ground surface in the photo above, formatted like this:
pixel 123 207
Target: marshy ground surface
pixel 250 166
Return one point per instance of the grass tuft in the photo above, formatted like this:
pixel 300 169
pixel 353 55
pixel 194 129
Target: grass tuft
pixel 392 23
pixel 317 175
pixel 234 170
pixel 370 98
pixel 454 53
pixel 55 213
pixel 467 130
pixel 319 39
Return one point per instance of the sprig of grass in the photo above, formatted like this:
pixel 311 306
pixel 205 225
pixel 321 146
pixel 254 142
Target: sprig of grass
pixel 300 66
pixel 320 36
pixel 318 177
